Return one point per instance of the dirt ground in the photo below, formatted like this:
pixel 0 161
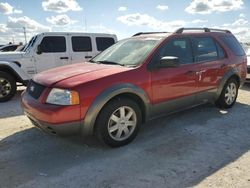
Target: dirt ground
pixel 201 147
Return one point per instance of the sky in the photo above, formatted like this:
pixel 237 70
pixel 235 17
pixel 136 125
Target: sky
pixel 121 17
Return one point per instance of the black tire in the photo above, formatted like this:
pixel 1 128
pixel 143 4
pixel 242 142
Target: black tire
pixel 222 100
pixel 104 120
pixel 7 86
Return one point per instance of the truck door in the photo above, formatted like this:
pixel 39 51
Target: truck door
pixel 81 48
pixel 52 52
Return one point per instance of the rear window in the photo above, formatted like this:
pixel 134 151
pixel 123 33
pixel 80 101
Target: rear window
pixel 104 42
pixel 234 45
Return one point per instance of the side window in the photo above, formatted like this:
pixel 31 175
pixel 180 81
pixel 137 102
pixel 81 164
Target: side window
pixel 103 43
pixel 180 48
pixel 205 49
pixel 81 44
pixel 221 52
pixel 53 44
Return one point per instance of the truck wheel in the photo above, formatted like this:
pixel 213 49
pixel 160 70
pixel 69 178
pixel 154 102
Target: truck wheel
pixel 7 86
pixel 228 95
pixel 118 122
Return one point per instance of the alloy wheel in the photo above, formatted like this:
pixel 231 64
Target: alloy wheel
pixel 122 123
pixel 230 94
pixel 5 87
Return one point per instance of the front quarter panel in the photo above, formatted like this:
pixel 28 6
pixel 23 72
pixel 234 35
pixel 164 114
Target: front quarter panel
pixel 105 96
pixel 14 67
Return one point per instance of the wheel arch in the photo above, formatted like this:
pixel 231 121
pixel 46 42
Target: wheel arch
pixel 233 73
pixel 4 67
pixel 122 90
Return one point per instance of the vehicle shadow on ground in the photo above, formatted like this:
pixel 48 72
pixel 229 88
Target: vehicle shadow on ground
pixel 180 150
pixel 12 108
pixel 246 87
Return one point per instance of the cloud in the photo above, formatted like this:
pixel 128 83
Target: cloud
pixel 13 29
pixel 101 28
pixel 61 6
pixel 3 28
pixel 60 20
pixel 240 22
pixel 242 15
pixel 209 6
pixel 199 21
pixel 122 9
pixel 237 23
pixel 6 8
pixel 240 28
pixel 30 24
pixel 138 19
pixel 162 7
pixel 16 11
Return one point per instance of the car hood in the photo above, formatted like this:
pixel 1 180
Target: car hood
pixel 89 71
pixel 6 56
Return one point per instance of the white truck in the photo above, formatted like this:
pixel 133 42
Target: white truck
pixel 45 51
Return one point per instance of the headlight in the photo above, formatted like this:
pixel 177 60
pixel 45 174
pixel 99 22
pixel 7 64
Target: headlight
pixel 63 97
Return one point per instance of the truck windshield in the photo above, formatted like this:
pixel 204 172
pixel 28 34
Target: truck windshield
pixel 128 52
pixel 30 44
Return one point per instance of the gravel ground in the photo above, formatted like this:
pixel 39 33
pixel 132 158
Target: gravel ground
pixel 201 147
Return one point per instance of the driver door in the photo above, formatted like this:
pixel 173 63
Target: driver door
pixel 53 53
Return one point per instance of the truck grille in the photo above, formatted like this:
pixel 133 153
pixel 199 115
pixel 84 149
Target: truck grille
pixel 35 90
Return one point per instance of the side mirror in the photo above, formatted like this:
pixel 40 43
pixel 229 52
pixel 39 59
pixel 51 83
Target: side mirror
pixel 39 50
pixel 169 61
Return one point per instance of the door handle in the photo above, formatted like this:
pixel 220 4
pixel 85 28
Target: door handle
pixel 88 56
pixel 64 57
pixel 223 65
pixel 190 72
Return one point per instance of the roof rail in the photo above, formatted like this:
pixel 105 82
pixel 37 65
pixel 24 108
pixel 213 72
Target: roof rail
pixel 205 29
pixel 146 33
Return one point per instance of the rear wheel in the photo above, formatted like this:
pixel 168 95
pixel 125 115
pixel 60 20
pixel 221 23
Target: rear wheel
pixel 229 94
pixel 118 122
pixel 7 86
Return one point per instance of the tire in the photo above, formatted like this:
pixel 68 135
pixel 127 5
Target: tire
pixel 228 95
pixel 118 122
pixel 7 86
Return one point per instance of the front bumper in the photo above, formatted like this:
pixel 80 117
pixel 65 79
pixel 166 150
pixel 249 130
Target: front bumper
pixel 62 120
pixel 62 129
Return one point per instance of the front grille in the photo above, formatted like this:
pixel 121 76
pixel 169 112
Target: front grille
pixel 35 90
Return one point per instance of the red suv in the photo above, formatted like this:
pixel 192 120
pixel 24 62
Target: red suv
pixel 136 80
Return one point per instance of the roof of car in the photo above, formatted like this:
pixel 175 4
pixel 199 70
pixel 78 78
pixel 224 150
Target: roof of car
pixel 76 33
pixel 182 31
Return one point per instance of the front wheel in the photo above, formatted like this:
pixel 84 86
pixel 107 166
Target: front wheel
pixel 228 95
pixel 7 86
pixel 118 122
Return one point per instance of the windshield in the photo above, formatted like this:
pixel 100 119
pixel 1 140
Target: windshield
pixel 130 52
pixel 30 44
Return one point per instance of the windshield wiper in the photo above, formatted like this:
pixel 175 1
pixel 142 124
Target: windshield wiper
pixel 92 61
pixel 110 63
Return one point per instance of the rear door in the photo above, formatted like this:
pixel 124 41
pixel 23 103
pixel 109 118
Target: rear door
pixel 175 86
pixel 54 53
pixel 213 65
